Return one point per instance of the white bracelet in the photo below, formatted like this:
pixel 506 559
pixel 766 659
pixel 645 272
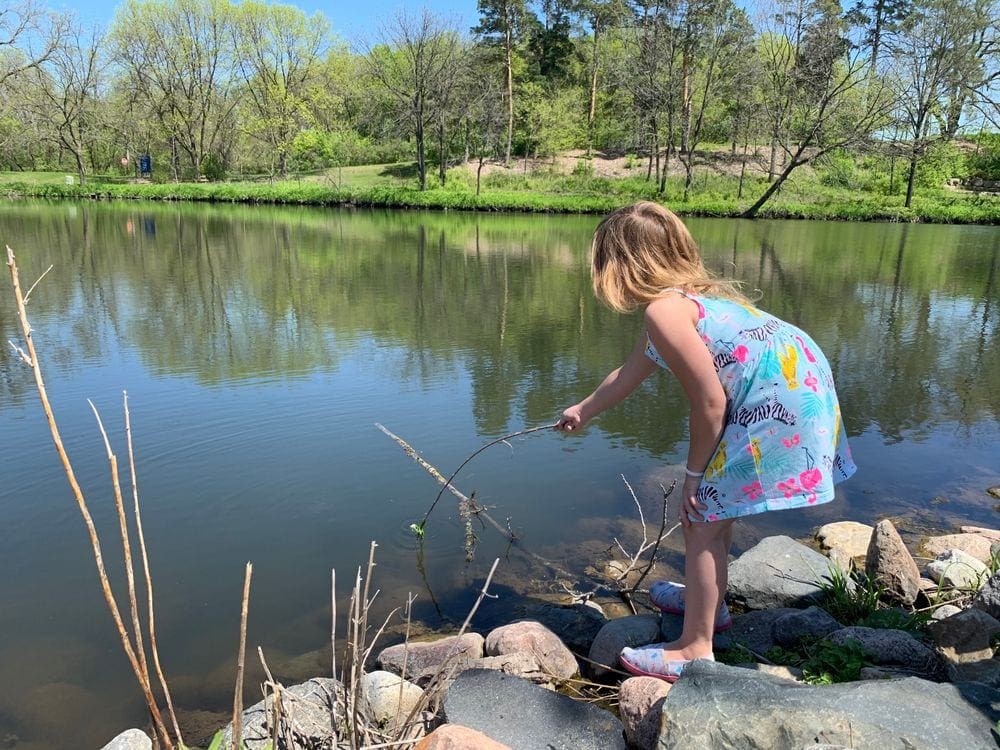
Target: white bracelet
pixel 693 473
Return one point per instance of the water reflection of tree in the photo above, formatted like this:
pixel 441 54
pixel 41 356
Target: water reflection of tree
pixel 248 293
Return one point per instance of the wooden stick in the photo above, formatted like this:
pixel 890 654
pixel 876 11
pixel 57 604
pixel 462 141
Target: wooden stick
pixel 95 544
pixel 237 739
pixel 151 619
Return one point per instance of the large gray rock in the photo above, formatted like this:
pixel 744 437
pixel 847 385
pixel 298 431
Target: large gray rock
pixel 890 564
pixel 755 630
pixel 715 706
pixel 308 705
pixel 965 641
pixel 130 739
pixel 889 647
pixel 635 630
pixel 806 624
pixel 419 656
pixel 988 597
pixel 527 717
pixel 778 572
pixel 533 638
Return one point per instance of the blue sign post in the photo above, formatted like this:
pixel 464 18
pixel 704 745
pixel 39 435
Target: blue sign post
pixel 145 165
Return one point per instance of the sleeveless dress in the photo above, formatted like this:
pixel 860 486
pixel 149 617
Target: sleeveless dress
pixel 783 445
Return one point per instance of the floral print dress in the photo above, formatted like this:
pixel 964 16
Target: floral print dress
pixel 783 445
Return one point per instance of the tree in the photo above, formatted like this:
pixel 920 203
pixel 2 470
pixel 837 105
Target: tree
pixel 416 63
pixel 29 34
pixel 278 48
pixel 501 22
pixel 600 15
pixel 66 91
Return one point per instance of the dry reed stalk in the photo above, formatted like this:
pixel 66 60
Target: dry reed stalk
pixel 626 592
pixel 237 740
pixel 151 619
pixel 31 359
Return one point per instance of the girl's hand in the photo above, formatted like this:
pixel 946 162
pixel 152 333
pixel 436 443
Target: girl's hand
pixel 571 420
pixel 690 503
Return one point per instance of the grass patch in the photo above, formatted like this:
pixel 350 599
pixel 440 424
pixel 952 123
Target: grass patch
pixel 823 662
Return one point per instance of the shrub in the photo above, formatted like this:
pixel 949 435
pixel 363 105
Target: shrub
pixel 942 161
pixel 984 162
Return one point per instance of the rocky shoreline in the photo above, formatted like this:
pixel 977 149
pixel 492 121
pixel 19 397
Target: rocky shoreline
pixel 922 664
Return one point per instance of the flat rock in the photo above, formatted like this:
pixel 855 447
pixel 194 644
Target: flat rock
pixel 455 737
pixel 716 706
pixel 965 641
pixel 777 572
pixel 389 696
pixel 640 703
pixel 890 564
pixel 517 713
pixel 309 705
pixel 889 647
pixel 806 624
pixel 130 739
pixel 533 638
pixel 957 569
pixel 849 538
pixel 988 597
pixel 419 656
pixel 634 630
pixel 992 534
pixel 521 664
pixel 972 544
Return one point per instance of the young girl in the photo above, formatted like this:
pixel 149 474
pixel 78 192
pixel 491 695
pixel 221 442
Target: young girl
pixel 765 425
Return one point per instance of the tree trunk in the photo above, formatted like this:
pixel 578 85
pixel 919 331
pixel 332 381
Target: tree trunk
pixel 771 189
pixel 508 44
pixel 419 136
pixel 910 177
pixel 593 92
pixel 442 156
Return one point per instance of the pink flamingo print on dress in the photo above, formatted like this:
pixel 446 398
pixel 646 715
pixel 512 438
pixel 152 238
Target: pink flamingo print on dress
pixel 809 355
pixel 811 381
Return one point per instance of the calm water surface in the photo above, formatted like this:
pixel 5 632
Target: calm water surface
pixel 259 346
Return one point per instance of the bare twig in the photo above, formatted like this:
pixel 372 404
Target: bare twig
pixel 240 657
pixel 109 598
pixel 151 619
pixel 660 536
pixel 22 355
pixel 27 294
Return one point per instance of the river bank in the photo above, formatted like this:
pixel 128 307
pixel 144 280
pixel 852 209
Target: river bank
pixel 565 194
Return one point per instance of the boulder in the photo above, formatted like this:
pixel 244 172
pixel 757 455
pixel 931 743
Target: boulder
pixel 309 706
pixel 957 569
pixel 965 641
pixel 890 564
pixel 419 656
pixel 886 646
pixel 455 737
pixel 972 544
pixel 715 706
pixel 848 539
pixel 576 625
pixel 778 572
pixel 640 703
pixel 988 597
pixel 671 626
pixel 635 630
pixel 755 630
pixel 813 623
pixel 130 739
pixel 517 713
pixel 533 638
pixel 521 664
pixel 389 697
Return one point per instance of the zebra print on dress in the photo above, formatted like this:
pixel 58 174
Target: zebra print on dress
pixel 762 333
pixel 771 410
pixel 722 359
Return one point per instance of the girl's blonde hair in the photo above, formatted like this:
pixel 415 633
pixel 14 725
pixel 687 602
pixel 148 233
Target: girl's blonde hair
pixel 641 250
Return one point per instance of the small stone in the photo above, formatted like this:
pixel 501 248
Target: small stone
pixel 536 639
pixel 890 564
pixel 130 739
pixel 640 703
pixel 888 647
pixel 847 537
pixel 455 737
pixel 957 569
pixel 988 597
pixel 973 544
pixel 812 623
pixel 945 611
pixel 389 697
pixel 635 630
pixel 994 491
pixel 422 655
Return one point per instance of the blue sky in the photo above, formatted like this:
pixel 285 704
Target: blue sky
pixel 350 18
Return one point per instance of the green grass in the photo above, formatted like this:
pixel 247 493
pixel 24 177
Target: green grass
pixel 394 185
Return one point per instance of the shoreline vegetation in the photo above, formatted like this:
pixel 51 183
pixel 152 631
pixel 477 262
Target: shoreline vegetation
pixel 547 188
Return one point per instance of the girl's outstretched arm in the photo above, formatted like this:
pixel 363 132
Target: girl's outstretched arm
pixel 615 387
pixel 671 324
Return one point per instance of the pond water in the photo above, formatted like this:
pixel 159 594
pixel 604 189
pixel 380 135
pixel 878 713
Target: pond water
pixel 259 346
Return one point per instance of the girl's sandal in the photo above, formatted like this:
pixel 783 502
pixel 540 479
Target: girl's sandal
pixel 668 597
pixel 648 661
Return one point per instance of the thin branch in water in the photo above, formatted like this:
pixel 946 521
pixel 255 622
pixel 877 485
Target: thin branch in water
pixel 240 657
pixel 27 295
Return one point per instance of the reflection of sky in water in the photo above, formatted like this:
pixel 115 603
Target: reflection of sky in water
pixel 255 381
